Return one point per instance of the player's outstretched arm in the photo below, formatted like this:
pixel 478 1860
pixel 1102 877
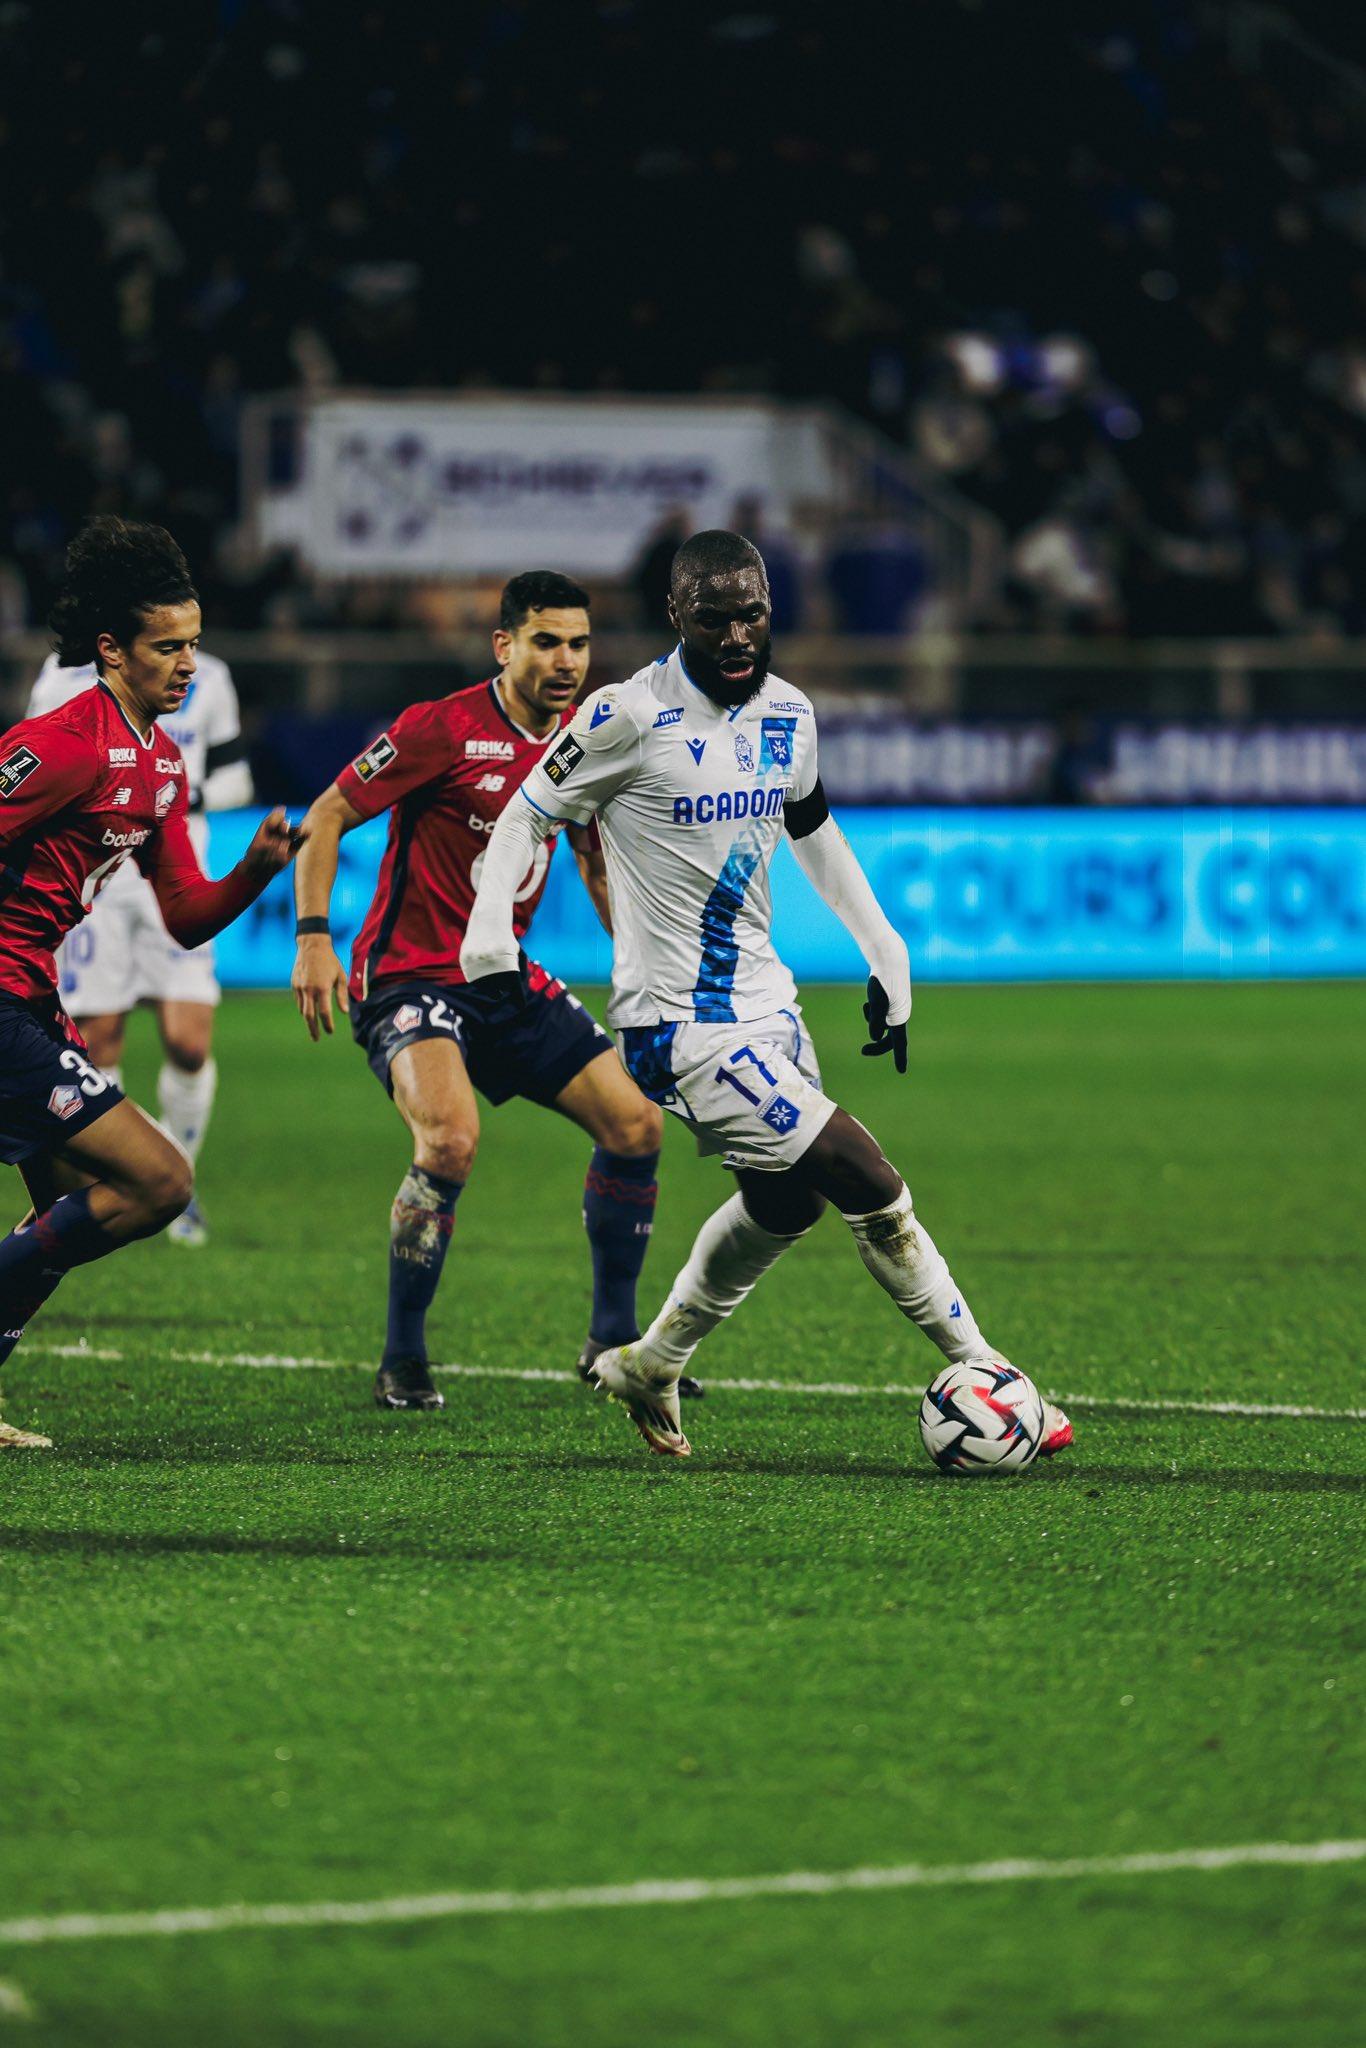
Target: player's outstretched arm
pixel 490 945
pixel 318 973
pixel 830 865
pixel 193 907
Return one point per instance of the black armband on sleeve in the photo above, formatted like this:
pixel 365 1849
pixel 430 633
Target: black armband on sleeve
pixel 803 814
pixel 225 753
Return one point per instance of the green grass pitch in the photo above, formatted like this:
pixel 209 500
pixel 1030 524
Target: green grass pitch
pixel 259 1643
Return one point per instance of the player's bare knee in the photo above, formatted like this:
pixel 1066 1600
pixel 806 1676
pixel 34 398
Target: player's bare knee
pixel 104 1040
pixel 635 1133
pixel 450 1154
pixel 846 1164
pixel 187 1055
pixel 164 1190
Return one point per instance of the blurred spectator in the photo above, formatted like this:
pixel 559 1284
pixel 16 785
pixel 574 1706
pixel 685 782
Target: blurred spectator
pixel 1102 273
pixel 780 559
pixel 877 576
pixel 650 576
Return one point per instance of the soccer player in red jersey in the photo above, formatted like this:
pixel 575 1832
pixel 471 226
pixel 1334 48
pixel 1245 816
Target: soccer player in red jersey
pixel 81 789
pixel 447 769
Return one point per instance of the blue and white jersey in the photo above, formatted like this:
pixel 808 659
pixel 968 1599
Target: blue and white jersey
pixel 689 802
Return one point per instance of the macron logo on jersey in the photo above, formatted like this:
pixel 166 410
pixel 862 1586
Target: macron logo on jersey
pixel 489 750
pixel 728 804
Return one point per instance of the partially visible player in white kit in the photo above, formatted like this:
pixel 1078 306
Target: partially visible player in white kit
pixel 122 953
pixel 692 769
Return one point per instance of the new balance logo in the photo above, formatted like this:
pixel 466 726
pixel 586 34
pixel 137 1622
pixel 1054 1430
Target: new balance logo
pixel 696 748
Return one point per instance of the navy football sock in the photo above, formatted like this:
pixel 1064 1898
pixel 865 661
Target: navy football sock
pixel 420 1225
pixel 619 1199
pixel 36 1258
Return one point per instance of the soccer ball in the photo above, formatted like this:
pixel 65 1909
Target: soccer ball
pixel 982 1416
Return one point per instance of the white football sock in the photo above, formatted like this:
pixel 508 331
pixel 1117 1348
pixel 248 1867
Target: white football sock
pixel 732 1252
pixel 186 1101
pixel 902 1257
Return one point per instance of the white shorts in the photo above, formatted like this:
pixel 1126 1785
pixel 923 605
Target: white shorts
pixel 122 953
pixel 751 1092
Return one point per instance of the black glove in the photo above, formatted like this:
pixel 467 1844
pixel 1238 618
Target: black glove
pixel 884 1037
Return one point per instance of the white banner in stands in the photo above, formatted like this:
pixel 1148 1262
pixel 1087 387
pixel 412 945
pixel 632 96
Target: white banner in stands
pixel 438 487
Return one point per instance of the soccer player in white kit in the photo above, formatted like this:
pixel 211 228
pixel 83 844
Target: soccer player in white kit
pixel 122 953
pixel 692 769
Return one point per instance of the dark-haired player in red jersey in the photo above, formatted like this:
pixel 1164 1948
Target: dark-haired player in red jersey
pixel 82 789
pixel 446 770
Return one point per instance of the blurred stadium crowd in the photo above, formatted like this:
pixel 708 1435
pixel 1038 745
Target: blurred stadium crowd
pixel 1099 268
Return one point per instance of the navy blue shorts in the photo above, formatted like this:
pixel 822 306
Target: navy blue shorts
pixel 48 1088
pixel 533 1051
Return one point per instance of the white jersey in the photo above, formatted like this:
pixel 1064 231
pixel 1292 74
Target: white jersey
pixel 689 802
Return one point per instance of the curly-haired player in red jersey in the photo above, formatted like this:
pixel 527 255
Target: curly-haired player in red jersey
pixel 82 789
pixel 445 770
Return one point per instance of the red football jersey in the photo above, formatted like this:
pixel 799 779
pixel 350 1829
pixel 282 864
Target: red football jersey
pixel 80 790
pixel 447 768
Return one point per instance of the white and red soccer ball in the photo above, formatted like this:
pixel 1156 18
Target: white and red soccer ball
pixel 982 1416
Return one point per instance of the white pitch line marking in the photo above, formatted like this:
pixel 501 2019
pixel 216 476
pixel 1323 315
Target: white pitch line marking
pixel 13 2004
pixel 666 1891
pixel 275 1361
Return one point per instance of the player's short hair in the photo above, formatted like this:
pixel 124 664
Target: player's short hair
pixel 716 552
pixel 117 570
pixel 539 590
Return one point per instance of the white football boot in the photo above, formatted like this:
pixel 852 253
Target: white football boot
pixel 1057 1431
pixel 648 1394
pixel 12 1439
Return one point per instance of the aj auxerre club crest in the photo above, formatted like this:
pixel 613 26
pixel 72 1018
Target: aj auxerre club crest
pixel 775 742
pixel 744 753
